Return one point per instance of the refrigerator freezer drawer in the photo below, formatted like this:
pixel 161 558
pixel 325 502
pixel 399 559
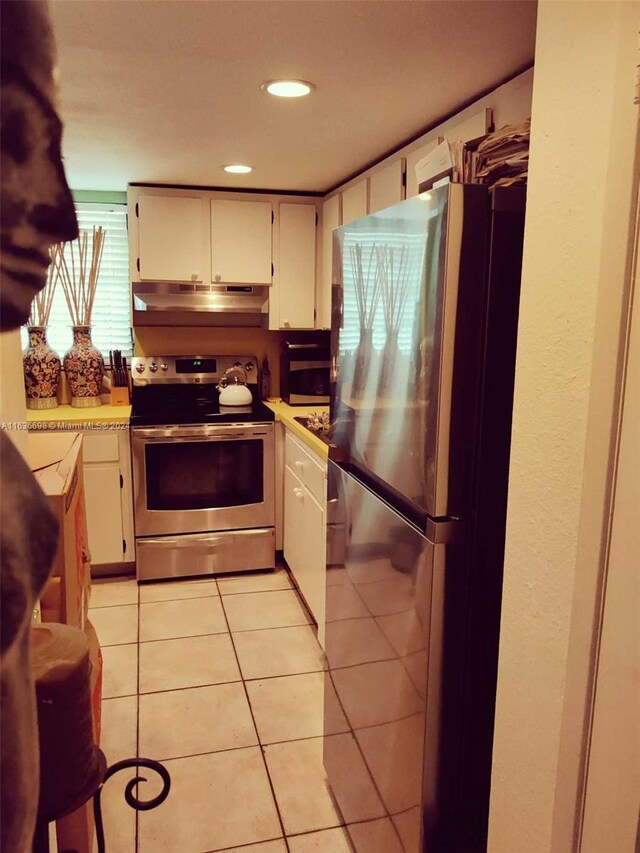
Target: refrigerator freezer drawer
pixel 384 634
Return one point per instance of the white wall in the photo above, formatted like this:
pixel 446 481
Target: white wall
pixel 13 407
pixel 613 799
pixel 575 282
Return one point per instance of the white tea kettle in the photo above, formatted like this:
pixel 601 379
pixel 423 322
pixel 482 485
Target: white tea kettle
pixel 233 388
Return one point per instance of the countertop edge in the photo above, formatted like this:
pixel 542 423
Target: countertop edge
pixel 102 417
pixel 285 414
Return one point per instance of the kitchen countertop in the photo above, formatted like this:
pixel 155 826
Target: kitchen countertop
pixel 286 414
pixel 102 417
pixel 106 417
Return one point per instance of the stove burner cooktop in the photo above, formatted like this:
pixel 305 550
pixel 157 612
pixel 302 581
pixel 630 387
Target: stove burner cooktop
pixel 183 391
pixel 210 412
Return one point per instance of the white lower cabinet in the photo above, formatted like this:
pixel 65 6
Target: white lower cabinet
pixel 108 496
pixel 305 476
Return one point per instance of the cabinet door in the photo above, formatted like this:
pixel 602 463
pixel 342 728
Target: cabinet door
pixel 170 238
pixel 296 273
pixel 126 496
pixel 104 516
pixel 355 202
pixel 386 186
pixel 241 242
pixel 331 218
pixel 279 435
pixel 305 544
pixel 293 549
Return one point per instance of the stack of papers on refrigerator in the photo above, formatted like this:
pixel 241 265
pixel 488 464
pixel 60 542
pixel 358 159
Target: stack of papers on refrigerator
pixel 500 158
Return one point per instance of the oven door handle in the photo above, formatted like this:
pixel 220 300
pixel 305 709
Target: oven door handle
pixel 206 433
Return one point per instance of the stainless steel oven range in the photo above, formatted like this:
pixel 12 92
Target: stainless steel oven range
pixel 203 474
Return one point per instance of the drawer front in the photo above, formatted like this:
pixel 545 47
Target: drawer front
pixel 309 470
pixel 100 448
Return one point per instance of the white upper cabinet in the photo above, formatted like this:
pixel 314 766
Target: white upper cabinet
pixel 331 218
pixel 210 236
pixel 170 239
pixel 241 242
pixel 386 186
pixel 295 262
pixel 355 201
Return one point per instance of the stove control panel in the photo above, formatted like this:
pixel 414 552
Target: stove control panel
pixel 196 369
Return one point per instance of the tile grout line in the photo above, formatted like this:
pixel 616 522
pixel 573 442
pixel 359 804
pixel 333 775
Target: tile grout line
pixel 211 634
pixel 260 747
pixel 312 625
pixel 242 847
pixel 231 681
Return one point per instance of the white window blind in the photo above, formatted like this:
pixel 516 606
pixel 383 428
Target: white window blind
pixel 414 246
pixel 111 316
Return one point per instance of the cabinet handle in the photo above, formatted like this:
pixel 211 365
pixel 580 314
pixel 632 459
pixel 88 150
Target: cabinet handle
pixel 217 276
pixel 194 276
pixel 299 466
pixel 286 323
pixel 299 493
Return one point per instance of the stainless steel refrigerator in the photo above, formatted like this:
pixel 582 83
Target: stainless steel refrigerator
pixel 425 305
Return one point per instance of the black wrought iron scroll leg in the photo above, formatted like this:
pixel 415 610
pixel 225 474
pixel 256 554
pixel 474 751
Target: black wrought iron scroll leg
pixel 138 805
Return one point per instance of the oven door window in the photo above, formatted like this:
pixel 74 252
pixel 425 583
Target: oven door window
pixel 204 475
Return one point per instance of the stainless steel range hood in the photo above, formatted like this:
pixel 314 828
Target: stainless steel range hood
pixel 177 304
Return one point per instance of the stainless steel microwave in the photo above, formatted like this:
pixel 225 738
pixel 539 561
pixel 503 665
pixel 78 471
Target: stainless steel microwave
pixel 304 374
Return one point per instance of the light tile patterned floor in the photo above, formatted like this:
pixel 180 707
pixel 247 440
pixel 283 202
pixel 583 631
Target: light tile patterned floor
pixel 222 681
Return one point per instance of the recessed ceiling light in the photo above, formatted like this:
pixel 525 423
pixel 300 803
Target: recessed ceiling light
pixel 288 88
pixel 238 169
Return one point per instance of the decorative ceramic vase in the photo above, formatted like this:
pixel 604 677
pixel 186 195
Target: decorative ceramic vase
pixel 84 367
pixel 388 363
pixel 362 362
pixel 41 370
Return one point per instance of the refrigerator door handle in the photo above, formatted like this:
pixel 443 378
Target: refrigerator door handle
pixel 449 531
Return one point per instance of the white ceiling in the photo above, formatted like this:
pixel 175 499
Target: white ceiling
pixel 168 91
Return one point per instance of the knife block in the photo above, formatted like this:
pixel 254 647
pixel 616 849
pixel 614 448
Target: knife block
pixel 119 396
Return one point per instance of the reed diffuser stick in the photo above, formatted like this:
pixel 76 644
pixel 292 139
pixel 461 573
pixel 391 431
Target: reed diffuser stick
pixel 367 291
pixel 41 305
pixel 395 282
pixel 80 282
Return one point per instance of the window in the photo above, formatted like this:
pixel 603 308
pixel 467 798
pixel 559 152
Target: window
pixel 111 317
pixel 410 270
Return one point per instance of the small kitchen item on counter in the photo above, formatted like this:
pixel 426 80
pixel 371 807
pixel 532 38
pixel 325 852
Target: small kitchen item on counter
pixel 119 379
pixel 84 367
pixel 319 421
pixel 265 380
pixel 304 374
pixel 203 472
pixel 42 368
pixel 83 364
pixel 233 388
pixel 119 396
